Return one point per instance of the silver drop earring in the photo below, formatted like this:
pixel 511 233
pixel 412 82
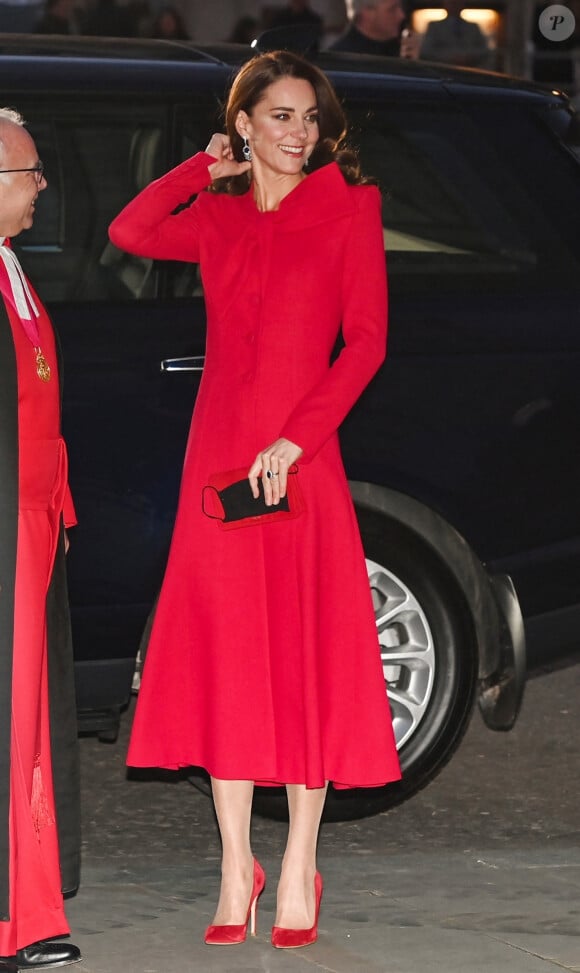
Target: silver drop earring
pixel 246 151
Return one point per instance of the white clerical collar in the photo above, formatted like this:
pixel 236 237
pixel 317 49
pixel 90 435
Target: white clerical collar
pixel 23 299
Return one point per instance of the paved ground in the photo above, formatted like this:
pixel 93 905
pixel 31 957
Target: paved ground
pixel 479 872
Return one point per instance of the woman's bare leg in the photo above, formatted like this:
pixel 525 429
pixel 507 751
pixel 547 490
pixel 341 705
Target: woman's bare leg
pixel 233 807
pixel 296 887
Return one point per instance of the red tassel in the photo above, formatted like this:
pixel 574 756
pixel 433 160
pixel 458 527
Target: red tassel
pixel 42 816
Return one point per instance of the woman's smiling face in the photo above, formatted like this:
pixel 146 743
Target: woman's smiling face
pixel 283 127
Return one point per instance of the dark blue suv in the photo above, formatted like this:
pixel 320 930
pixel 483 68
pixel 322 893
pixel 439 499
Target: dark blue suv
pixel 463 454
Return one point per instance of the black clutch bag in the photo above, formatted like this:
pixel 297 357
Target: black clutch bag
pixel 228 499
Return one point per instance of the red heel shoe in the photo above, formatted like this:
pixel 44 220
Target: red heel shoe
pixel 232 935
pixel 293 938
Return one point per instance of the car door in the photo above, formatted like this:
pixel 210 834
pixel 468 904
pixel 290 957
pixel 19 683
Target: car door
pixel 477 410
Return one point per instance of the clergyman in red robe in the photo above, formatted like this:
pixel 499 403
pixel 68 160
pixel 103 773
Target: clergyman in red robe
pixel 39 800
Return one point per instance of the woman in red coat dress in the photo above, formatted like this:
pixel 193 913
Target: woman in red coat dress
pixel 263 665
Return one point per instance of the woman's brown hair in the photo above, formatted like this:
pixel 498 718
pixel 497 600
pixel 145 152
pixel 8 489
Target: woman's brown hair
pixel 248 89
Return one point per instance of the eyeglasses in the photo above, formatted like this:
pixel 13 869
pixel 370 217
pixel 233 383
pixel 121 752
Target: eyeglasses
pixel 38 171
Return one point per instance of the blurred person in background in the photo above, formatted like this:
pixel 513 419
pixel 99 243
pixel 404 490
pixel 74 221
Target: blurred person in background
pixel 140 18
pixel 169 26
pixel 57 17
pixel 245 30
pixel 376 27
pixel 296 12
pixel 455 40
pixel 19 16
pixel 107 19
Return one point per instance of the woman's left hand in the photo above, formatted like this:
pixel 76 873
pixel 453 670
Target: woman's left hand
pixel 277 460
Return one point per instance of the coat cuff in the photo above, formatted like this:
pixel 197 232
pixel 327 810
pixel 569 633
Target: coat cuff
pixel 68 510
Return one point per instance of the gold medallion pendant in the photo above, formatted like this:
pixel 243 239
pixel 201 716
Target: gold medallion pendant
pixel 42 366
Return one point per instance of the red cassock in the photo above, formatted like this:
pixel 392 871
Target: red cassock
pixel 36 904
pixel 263 662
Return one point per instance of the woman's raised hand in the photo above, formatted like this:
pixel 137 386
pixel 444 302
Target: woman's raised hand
pixel 221 149
pixel 275 460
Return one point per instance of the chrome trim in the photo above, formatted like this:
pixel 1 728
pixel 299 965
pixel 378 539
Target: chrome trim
pixel 193 363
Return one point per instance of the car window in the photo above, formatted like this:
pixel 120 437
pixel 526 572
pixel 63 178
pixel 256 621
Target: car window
pixel 183 280
pixel 451 203
pixel 94 163
pixel 539 150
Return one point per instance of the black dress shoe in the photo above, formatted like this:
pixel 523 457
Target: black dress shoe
pixel 45 955
pixel 7 966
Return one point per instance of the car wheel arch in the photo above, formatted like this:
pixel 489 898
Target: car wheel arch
pixel 456 556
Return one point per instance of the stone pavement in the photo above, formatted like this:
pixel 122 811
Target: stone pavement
pixel 479 872
pixel 395 914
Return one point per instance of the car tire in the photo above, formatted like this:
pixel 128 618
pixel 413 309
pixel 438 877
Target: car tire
pixel 432 693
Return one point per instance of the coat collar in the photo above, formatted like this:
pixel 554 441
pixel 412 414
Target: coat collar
pixel 322 196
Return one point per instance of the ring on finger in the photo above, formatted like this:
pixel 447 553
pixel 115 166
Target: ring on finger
pixel 271 474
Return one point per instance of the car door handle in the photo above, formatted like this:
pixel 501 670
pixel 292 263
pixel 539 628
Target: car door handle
pixel 192 363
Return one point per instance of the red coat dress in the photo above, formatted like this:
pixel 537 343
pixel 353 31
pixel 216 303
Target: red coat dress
pixel 263 662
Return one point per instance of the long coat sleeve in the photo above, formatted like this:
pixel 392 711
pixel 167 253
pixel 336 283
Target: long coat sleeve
pixel 147 226
pixel 363 294
pixel 254 670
